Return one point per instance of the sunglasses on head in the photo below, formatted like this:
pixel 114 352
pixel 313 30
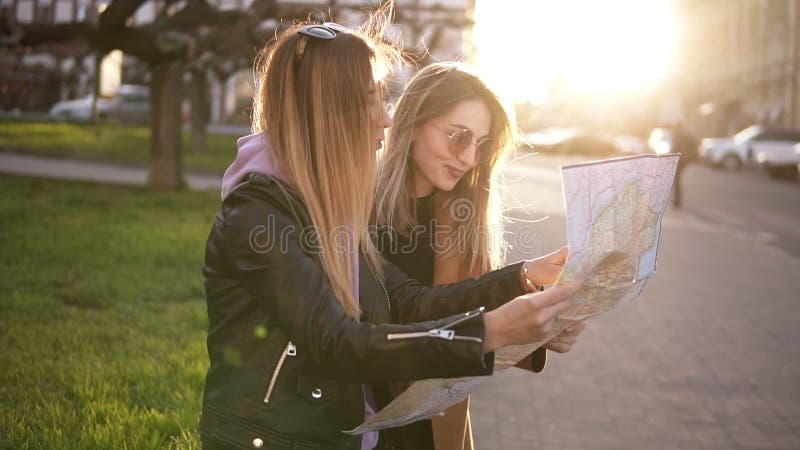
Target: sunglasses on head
pixel 459 140
pixel 326 31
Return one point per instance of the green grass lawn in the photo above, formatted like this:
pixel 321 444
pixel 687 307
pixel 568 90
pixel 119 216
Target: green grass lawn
pixel 102 315
pixel 107 142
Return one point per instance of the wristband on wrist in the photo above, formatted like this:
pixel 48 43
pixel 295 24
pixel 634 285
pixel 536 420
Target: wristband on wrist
pixel 530 286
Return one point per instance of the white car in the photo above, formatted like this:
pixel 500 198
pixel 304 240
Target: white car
pixel 797 155
pixel 79 110
pixel 781 162
pixel 130 105
pixel 733 153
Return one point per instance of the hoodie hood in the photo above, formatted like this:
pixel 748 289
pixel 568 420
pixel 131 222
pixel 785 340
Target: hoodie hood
pixel 254 154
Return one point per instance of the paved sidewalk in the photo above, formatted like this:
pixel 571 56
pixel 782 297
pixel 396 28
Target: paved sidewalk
pixel 66 169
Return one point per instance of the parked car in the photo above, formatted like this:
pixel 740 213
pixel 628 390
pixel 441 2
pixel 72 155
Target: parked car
pixel 781 162
pixel 130 105
pixel 797 156
pixel 79 110
pixel 572 141
pixel 733 153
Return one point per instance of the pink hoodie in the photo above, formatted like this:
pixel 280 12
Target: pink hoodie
pixel 255 154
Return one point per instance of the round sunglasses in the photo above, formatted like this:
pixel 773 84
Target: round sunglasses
pixel 459 140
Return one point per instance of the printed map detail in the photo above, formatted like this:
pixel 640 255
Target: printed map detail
pixel 614 211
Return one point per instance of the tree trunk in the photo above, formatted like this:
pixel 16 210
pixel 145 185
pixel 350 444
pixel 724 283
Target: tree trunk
pixel 165 171
pixel 200 110
pixel 98 60
pixel 223 97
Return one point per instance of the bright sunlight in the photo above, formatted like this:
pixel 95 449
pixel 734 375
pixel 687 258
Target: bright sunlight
pixel 597 48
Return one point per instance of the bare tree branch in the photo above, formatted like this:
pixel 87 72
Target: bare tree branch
pixel 117 13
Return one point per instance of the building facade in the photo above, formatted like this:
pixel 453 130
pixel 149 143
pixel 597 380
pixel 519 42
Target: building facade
pixel 740 64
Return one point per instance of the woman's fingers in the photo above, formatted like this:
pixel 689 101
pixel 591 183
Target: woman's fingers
pixel 549 304
pixel 552 311
pixel 554 301
pixel 558 347
pixel 563 342
pixel 546 269
pixel 556 294
pixel 560 339
pixel 559 256
pixel 528 318
pixel 574 330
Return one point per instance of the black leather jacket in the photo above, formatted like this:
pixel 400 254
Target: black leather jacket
pixel 288 366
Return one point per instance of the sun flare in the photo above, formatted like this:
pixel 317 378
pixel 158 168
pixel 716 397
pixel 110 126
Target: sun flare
pixel 597 48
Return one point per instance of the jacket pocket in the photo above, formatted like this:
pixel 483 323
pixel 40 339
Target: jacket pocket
pixel 289 350
pixel 316 390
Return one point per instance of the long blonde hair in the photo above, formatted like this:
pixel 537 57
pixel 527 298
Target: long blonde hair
pixel 313 100
pixel 474 202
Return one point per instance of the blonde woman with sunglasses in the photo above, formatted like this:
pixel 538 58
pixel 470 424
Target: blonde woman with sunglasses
pixel 307 323
pixel 438 210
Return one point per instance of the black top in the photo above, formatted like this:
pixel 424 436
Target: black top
pixel 413 253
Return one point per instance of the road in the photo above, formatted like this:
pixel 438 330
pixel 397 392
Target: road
pixel 707 358
pixel 748 203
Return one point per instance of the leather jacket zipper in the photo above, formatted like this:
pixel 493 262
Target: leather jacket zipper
pixel 290 350
pixel 443 332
